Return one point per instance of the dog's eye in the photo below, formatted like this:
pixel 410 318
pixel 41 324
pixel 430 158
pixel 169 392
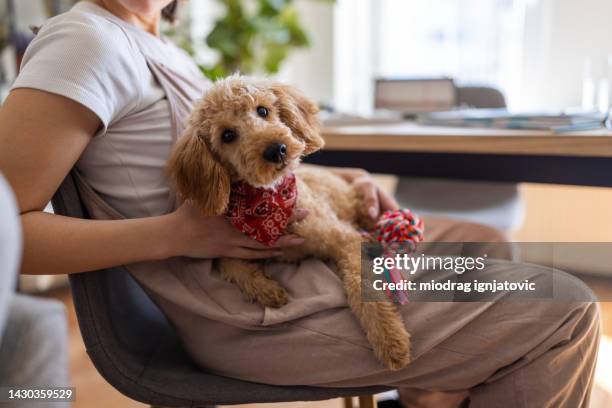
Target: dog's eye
pixel 262 111
pixel 229 135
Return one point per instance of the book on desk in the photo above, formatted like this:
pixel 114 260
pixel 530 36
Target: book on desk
pixel 504 119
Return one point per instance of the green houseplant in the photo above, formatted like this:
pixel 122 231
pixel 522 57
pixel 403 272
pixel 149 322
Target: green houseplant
pixel 251 36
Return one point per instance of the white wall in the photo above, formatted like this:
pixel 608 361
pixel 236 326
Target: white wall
pixel 312 69
pixel 560 35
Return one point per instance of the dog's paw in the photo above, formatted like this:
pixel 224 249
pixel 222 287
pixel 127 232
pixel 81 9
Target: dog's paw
pixel 271 295
pixel 395 351
pixel 399 356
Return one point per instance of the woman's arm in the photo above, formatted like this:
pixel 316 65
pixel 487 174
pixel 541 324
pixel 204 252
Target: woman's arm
pixel 376 199
pixel 42 136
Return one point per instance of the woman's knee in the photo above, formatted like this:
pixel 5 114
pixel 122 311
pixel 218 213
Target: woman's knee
pixel 567 287
pixel 573 297
pixel 582 313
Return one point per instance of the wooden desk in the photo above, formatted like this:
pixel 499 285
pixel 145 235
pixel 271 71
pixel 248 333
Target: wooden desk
pixel 581 158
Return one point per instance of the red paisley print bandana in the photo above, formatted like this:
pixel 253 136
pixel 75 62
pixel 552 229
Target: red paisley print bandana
pixel 262 213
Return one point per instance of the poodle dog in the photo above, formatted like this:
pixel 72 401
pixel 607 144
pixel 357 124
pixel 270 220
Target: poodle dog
pixel 255 132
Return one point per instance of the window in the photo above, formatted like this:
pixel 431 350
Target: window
pixel 472 41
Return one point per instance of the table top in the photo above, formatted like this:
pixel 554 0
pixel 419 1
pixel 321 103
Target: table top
pixel 411 137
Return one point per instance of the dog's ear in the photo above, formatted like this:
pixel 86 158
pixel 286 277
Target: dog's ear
pixel 198 175
pixel 300 114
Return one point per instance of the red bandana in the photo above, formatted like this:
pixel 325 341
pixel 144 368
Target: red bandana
pixel 262 213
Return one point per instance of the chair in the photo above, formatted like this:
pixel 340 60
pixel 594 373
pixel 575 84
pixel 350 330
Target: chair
pixel 480 97
pixel 135 349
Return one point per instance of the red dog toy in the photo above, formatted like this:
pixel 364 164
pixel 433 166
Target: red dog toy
pixel 399 228
pixel 398 231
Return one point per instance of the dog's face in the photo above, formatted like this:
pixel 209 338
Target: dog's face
pixel 243 129
pixel 243 123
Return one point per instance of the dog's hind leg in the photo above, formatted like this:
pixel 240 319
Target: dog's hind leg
pixel 253 283
pixel 381 321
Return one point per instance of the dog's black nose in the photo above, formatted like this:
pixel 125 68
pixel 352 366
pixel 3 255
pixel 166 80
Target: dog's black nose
pixel 275 153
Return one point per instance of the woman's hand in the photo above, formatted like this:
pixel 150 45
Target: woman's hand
pixel 375 199
pixel 197 236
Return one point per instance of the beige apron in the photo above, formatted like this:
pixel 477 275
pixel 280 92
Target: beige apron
pixel 191 294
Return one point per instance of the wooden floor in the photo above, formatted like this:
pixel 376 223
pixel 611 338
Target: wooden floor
pixel 94 392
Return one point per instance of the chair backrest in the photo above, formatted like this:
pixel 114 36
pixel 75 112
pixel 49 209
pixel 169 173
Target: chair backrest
pixel 137 321
pixel 138 352
pixel 480 97
pixel 121 327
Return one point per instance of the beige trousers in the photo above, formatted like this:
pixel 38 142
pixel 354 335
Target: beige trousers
pixel 503 354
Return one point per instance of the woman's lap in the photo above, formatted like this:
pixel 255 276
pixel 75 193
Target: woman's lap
pixel 456 345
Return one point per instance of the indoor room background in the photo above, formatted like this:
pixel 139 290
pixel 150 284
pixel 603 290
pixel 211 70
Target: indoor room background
pixel 539 53
pixel 544 55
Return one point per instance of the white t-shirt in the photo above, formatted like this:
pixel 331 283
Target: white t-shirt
pixel 93 57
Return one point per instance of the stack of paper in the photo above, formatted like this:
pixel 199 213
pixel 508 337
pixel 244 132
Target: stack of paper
pixel 504 119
